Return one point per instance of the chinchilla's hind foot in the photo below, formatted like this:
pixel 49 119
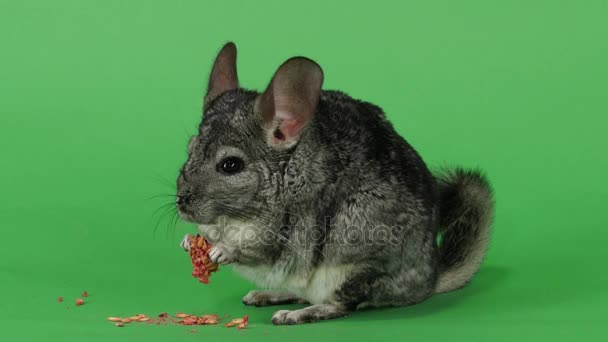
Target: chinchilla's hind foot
pixel 310 314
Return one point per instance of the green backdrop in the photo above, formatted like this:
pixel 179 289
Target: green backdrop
pixel 98 99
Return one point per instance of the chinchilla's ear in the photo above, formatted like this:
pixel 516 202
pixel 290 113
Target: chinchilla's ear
pixel 290 100
pixel 223 75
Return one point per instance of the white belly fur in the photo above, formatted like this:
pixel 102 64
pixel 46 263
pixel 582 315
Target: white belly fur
pixel 317 288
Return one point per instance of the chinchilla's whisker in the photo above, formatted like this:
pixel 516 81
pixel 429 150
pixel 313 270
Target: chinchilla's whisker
pixel 174 219
pixel 165 210
pixel 177 220
pixel 160 219
pixel 170 231
pixel 169 217
pixel 163 206
pixel 159 196
pixel 166 182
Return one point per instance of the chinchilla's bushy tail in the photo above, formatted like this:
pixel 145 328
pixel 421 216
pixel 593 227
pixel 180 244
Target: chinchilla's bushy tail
pixel 466 211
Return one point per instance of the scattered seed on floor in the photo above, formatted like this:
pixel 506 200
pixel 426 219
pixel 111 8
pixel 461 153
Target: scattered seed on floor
pixel 240 323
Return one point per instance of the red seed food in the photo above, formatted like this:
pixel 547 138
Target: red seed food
pixel 85 294
pixel 79 301
pixel 181 319
pixel 199 256
pixel 207 319
pixel 60 299
pixel 240 323
pixel 243 325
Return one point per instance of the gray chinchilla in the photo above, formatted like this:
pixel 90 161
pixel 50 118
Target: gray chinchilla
pixel 313 194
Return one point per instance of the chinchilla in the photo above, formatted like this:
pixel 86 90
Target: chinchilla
pixel 315 197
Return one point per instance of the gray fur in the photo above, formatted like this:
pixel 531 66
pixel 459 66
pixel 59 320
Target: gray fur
pixel 340 211
pixel 468 208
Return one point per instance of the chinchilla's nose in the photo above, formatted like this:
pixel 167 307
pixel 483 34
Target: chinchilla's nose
pixel 183 201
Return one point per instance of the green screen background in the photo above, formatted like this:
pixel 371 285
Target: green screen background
pixel 98 99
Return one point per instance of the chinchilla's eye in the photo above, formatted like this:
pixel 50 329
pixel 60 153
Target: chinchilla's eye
pixel 230 165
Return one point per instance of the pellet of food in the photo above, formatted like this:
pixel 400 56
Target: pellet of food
pixel 240 323
pixel 199 255
pixel 188 321
pixel 207 319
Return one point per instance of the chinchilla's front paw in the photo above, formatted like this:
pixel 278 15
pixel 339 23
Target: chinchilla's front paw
pixel 185 244
pixel 220 254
